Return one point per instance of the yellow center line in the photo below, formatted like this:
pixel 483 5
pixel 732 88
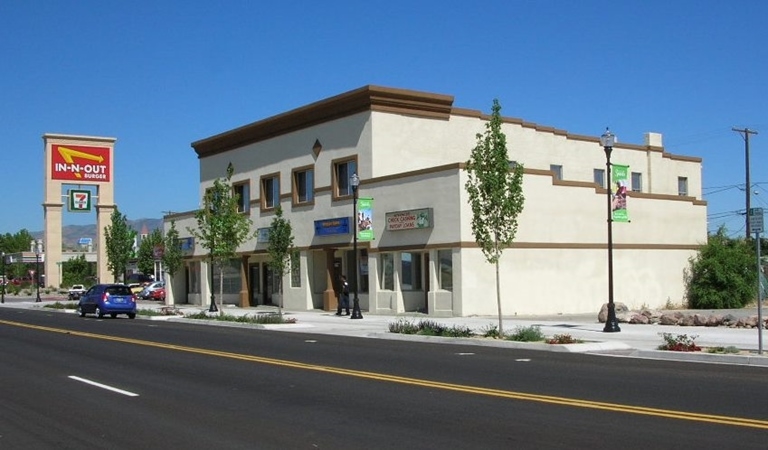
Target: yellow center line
pixel 674 414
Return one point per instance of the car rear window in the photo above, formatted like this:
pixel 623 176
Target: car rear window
pixel 119 290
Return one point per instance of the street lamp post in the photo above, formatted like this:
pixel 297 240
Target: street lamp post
pixel 2 269
pixel 38 250
pixel 611 324
pixel 354 181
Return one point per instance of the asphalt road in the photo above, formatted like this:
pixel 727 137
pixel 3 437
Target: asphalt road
pixel 177 385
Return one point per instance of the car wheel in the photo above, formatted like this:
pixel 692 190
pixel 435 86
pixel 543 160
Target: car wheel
pixel 131 315
pixel 99 313
pixel 82 313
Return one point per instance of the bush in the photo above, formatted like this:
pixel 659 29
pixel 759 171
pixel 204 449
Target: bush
pixel 429 328
pixel 722 275
pixel 59 305
pixel 259 318
pixel 526 334
pixel 490 331
pixel 679 343
pixel 729 349
pixel 563 339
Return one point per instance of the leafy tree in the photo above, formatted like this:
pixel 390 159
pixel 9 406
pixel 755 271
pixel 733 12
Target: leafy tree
pixel 723 274
pixel 146 253
pixel 77 271
pixel 221 228
pixel 17 242
pixel 495 195
pixel 172 251
pixel 120 238
pixel 279 248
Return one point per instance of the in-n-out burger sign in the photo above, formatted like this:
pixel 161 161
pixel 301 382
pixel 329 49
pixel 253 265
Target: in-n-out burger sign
pixel 80 163
pixel 409 220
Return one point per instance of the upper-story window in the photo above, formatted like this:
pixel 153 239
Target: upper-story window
pixel 342 170
pixel 599 177
pixel 558 170
pixel 303 185
pixel 242 192
pixel 270 191
pixel 637 182
pixel 682 186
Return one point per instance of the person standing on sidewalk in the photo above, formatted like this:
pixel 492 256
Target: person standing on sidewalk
pixel 343 297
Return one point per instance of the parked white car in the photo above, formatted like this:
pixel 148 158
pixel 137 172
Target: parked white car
pixel 146 293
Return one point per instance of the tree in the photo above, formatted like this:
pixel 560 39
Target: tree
pixel 723 274
pixel 172 251
pixel 280 248
pixel 119 237
pixel 495 195
pixel 146 255
pixel 77 271
pixel 17 242
pixel 221 228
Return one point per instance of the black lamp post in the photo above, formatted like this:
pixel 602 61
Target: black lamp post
pixel 354 181
pixel 38 250
pixel 2 272
pixel 611 324
pixel 213 307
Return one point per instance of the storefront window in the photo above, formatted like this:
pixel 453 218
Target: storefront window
pixel 386 271
pixel 295 269
pixel 410 271
pixel 231 277
pixel 445 259
pixel 193 277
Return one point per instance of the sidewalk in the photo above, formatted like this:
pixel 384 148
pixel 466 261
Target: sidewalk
pixel 634 340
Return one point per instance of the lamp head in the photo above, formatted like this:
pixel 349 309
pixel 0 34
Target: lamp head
pixel 354 181
pixel 607 139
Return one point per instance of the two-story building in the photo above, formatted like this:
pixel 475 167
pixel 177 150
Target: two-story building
pixel 409 150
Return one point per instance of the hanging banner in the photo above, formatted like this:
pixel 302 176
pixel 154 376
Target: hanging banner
pixel 619 175
pixel 364 219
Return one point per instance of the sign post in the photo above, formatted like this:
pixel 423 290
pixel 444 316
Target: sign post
pixel 756 226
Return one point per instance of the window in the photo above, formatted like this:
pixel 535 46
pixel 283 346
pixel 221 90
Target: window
pixel 193 277
pixel 558 170
pixel 445 271
pixel 270 191
pixel 304 186
pixel 682 186
pixel 386 271
pixel 242 192
pixel 599 177
pixel 231 277
pixel 341 172
pixel 295 269
pixel 410 269
pixel 637 182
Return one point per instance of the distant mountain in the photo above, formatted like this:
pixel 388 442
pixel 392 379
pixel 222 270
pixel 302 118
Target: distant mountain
pixel 71 234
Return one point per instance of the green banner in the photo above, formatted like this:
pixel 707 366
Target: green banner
pixel 619 176
pixel 364 220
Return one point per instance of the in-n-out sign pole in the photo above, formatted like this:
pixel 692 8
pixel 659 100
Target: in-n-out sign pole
pixel 756 226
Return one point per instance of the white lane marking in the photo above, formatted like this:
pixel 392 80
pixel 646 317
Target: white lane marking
pixel 465 354
pixel 310 341
pixel 523 360
pixel 103 386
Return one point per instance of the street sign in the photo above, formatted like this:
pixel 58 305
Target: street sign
pixel 755 220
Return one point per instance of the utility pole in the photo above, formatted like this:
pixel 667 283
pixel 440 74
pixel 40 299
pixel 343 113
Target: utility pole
pixel 745 132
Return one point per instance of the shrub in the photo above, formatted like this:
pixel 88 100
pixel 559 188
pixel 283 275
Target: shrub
pixel 403 326
pixel 490 331
pixel 679 343
pixel 259 318
pixel 729 349
pixel 563 339
pixel 526 334
pixel 59 305
pixel 429 328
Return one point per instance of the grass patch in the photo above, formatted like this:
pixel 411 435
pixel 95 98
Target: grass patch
pixel 258 318
pixel 723 350
pixel 526 334
pixel 60 305
pixel 429 328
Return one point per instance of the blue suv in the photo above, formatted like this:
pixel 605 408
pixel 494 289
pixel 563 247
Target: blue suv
pixel 112 299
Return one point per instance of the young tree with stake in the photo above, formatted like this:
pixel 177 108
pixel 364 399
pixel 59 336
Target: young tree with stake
pixel 495 195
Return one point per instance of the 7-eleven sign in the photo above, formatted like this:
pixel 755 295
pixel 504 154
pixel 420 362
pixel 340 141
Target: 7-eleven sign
pixel 79 201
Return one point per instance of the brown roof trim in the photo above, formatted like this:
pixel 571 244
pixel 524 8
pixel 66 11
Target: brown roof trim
pixel 367 98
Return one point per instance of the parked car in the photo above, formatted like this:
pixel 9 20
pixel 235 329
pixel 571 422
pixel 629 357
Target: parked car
pixel 135 287
pixel 146 293
pixel 158 294
pixel 76 291
pixel 112 299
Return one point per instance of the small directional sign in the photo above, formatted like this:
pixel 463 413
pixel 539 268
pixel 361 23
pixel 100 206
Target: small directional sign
pixel 755 220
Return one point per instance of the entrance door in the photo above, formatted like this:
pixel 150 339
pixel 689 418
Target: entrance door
pixel 268 285
pixel 255 280
pixel 426 276
pixel 337 273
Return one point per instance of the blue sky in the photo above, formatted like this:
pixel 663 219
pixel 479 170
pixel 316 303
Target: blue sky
pixel 159 75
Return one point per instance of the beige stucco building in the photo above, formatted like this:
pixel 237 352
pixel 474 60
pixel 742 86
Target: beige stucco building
pixel 409 149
